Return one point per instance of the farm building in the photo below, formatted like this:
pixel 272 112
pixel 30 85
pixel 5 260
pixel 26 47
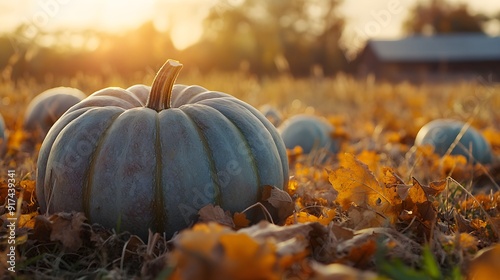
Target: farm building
pixel 432 58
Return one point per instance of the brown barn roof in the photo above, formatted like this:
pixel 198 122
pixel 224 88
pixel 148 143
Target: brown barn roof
pixel 456 47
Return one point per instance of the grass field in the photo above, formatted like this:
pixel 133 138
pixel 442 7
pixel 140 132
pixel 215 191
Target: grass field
pixel 434 235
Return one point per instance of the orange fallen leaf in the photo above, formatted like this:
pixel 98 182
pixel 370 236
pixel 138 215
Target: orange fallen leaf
pixel 254 260
pixel 304 217
pixel 357 185
pixel 240 220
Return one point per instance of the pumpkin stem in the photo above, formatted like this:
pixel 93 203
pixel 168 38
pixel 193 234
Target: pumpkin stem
pixel 161 90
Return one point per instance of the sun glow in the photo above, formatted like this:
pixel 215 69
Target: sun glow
pixel 182 19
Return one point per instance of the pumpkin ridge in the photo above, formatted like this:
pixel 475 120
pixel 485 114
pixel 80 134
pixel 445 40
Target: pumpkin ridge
pixel 160 217
pixel 233 102
pixel 119 93
pixel 87 185
pixel 275 136
pixel 252 158
pixel 213 169
pixel 248 148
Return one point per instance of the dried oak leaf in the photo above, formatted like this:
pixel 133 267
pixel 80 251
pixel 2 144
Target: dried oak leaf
pixel 62 227
pixel 362 217
pixel 264 230
pixel 342 233
pixel 427 215
pixel 280 200
pixel 357 185
pixel 390 178
pixel 211 213
pixel 415 195
pixel 435 188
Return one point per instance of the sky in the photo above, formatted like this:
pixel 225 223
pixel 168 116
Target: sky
pixel 366 18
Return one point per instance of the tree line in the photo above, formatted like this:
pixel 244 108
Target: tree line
pixel 259 36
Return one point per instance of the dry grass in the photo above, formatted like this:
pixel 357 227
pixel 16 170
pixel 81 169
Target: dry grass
pixel 369 116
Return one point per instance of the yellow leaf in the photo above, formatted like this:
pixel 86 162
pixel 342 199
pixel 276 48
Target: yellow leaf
pixel 357 185
pixel 327 217
pixel 301 218
pixel 370 158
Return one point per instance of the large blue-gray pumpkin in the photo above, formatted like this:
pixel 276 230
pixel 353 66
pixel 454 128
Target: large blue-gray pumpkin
pixel 442 134
pixel 151 157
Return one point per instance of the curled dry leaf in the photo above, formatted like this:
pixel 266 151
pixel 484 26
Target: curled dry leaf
pixel 62 227
pixel 435 188
pixel 211 213
pixel 280 200
pixel 264 230
pixel 361 217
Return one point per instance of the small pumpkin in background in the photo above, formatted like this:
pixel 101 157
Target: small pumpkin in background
pixel 272 114
pixel 150 157
pixel 47 107
pixel 442 133
pixel 309 132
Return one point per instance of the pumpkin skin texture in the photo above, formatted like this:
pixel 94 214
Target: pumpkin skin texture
pixel 136 162
pixel 272 114
pixel 441 133
pixel 44 110
pixel 308 132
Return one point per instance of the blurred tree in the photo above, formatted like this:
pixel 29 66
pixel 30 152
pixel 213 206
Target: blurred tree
pixel 275 36
pixel 66 53
pixel 439 16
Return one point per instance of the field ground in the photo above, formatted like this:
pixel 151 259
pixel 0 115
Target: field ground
pixel 431 234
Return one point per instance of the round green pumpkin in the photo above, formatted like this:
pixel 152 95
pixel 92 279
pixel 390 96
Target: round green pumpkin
pixel 442 134
pixel 309 132
pixel 272 114
pixel 151 157
pixel 44 110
